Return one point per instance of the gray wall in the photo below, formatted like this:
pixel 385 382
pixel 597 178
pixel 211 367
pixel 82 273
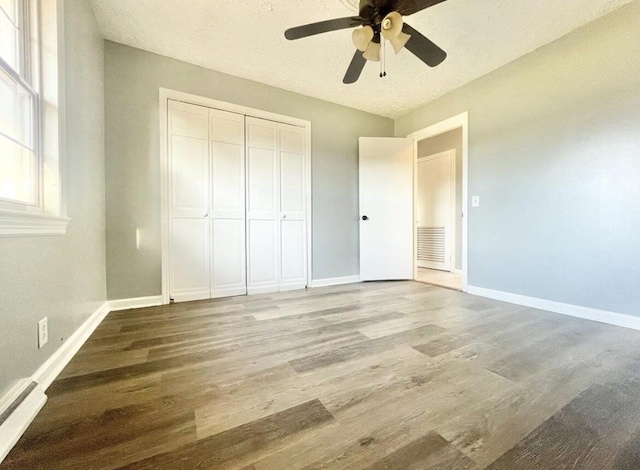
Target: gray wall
pixel 62 278
pixel 451 140
pixel 133 169
pixel 555 156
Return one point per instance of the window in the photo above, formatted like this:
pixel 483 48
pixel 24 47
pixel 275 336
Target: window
pixel 18 155
pixel 30 196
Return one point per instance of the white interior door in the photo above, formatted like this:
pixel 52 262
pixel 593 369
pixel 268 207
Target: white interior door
pixel 189 191
pixel 227 149
pixel 263 203
pixel 436 210
pixel 293 207
pixel 386 208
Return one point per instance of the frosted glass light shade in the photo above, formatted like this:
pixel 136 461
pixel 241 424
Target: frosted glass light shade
pixel 392 25
pixel 373 52
pixel 400 41
pixel 362 37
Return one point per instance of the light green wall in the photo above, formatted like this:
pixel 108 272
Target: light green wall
pixel 554 154
pixel 62 278
pixel 451 140
pixel 132 80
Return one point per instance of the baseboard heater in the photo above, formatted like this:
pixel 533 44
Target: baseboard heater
pixel 4 416
pixel 18 411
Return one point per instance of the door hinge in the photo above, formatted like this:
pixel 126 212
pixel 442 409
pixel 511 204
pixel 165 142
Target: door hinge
pixel 172 300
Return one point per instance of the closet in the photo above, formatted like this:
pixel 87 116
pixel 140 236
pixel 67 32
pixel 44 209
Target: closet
pixel 237 204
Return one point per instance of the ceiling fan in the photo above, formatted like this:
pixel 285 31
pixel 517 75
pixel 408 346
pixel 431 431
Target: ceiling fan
pixel 378 20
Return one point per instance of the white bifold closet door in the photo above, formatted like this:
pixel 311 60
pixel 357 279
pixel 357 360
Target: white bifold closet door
pixel 238 218
pixel 207 213
pixel 276 207
pixel 189 196
pixel 227 150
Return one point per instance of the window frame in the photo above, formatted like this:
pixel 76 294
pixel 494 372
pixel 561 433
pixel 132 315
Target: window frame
pixel 41 26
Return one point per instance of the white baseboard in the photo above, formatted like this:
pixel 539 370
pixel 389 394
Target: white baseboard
pixel 602 316
pixel 140 302
pixel 13 428
pixel 335 281
pixel 17 423
pixel 48 372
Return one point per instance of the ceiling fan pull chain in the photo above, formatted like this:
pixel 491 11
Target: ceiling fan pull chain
pixel 383 58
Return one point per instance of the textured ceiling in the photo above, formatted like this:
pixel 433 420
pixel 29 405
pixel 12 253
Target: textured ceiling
pixel 245 38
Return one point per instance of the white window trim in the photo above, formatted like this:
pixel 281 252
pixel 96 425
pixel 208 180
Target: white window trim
pixel 49 217
pixel 15 223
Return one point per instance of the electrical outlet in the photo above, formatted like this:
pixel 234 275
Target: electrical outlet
pixel 43 332
pixel 475 201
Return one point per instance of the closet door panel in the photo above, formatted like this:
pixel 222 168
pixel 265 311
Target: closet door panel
pixel 292 187
pixel 190 259
pixel 262 266
pixel 228 254
pixel 293 205
pixel 228 178
pixel 261 133
pixel 187 120
pixel 227 155
pixel 189 202
pixel 262 181
pixel 263 230
pixel 294 266
pixel 189 175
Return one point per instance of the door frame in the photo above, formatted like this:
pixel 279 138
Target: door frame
pixel 165 95
pixel 455 122
pixel 452 209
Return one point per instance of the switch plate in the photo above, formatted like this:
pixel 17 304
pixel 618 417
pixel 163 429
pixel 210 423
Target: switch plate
pixel 475 201
pixel 43 332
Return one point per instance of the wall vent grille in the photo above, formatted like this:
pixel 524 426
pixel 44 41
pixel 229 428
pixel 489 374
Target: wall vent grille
pixel 431 244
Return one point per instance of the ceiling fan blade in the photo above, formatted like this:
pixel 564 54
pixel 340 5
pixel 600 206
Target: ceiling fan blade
pixel 409 7
pixel 355 68
pixel 323 27
pixel 423 48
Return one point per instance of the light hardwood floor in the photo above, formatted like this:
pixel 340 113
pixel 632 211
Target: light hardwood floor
pixel 440 278
pixel 367 376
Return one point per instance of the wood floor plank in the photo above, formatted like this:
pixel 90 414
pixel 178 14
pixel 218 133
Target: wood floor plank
pixel 239 443
pixel 365 348
pixel 443 344
pixel 430 452
pixel 280 388
pixel 585 434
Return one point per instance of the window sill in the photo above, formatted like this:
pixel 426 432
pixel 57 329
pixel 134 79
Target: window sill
pixel 24 224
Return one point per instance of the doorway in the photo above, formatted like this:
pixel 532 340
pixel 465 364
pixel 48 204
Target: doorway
pixel 436 204
pixel 440 182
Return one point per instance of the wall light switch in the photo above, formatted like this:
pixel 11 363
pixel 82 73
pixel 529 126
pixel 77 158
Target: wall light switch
pixel 475 201
pixel 43 332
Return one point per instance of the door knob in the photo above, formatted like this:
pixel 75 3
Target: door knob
pixel 284 216
pixel 206 215
pixel 364 217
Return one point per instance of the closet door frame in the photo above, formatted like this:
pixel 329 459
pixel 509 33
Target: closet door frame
pixel 164 96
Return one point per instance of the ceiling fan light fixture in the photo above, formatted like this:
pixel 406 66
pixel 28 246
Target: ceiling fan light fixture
pixel 362 37
pixel 399 41
pixel 391 26
pixel 373 52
